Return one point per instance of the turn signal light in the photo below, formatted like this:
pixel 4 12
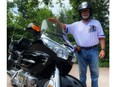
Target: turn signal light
pixel 36 28
pixel 50 85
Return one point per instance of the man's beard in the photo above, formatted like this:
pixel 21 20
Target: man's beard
pixel 85 17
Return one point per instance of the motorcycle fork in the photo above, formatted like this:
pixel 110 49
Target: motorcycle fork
pixel 55 79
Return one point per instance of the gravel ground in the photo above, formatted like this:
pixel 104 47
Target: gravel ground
pixel 103 77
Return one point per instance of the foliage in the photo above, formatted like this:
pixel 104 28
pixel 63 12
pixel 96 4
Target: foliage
pixel 31 11
pixel 104 63
pixel 22 12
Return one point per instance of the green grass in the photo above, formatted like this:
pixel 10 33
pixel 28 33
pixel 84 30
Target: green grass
pixel 104 63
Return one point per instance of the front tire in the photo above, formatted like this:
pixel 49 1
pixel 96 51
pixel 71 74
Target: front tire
pixel 70 81
pixel 66 81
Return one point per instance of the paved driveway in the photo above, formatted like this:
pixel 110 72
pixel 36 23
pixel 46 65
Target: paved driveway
pixel 103 76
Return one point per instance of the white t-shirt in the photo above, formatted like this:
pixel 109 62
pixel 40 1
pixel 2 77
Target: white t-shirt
pixel 86 35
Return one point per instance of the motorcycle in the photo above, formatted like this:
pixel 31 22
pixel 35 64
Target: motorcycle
pixel 44 61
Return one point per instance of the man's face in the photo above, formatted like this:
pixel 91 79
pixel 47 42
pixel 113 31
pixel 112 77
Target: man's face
pixel 85 13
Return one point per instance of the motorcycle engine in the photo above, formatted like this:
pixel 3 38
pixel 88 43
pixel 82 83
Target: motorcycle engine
pixel 23 79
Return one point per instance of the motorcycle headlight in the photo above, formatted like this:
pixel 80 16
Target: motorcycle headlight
pixel 60 50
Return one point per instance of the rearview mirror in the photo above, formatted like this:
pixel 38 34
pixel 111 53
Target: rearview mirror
pixel 44 25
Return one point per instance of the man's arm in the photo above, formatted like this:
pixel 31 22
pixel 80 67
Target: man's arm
pixel 102 45
pixel 55 20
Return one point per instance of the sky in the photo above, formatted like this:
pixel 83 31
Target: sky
pixel 57 7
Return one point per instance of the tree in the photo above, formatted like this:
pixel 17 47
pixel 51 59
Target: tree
pixel 30 11
pixel 22 12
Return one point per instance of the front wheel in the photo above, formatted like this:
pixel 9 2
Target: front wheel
pixel 70 81
pixel 66 81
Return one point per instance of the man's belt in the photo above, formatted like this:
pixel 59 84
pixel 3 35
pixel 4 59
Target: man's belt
pixel 88 47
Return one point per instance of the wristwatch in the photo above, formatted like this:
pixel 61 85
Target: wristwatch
pixel 102 49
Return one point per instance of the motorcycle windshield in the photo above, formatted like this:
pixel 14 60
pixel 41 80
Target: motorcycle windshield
pixel 56 39
pixel 53 31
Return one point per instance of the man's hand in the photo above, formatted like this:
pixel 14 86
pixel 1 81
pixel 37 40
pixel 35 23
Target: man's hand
pixel 102 45
pixel 102 54
pixel 54 20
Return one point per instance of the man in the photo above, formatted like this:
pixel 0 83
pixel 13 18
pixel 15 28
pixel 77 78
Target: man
pixel 88 33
